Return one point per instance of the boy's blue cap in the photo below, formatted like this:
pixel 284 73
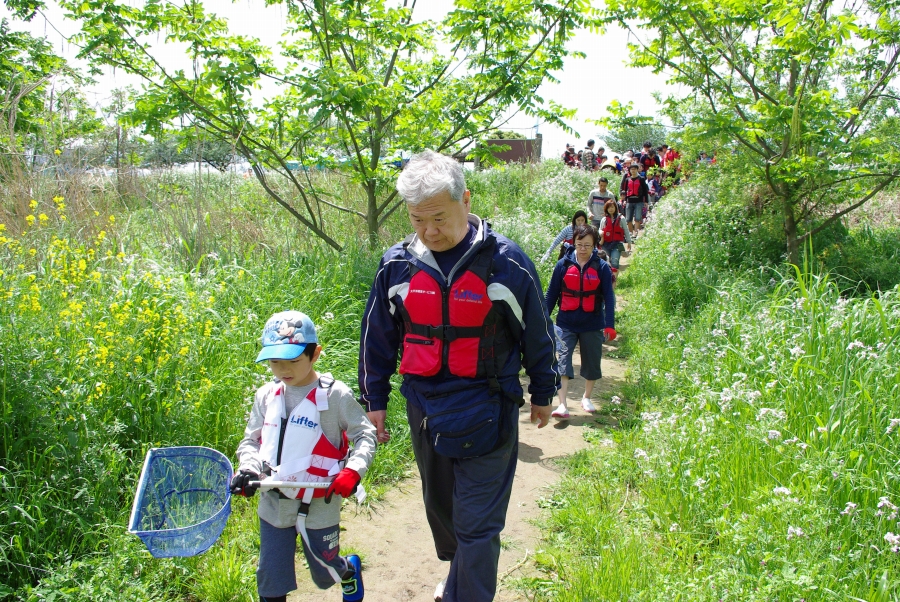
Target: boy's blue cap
pixel 286 335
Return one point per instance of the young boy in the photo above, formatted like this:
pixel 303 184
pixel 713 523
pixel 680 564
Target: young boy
pixel 298 431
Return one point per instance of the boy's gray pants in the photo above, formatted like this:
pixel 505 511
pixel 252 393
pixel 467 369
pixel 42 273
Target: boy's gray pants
pixel 276 574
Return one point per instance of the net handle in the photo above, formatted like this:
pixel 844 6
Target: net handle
pixel 266 485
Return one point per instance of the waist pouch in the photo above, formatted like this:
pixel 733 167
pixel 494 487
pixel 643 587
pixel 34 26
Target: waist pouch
pixel 458 427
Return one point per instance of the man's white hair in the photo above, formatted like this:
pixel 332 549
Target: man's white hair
pixel 428 174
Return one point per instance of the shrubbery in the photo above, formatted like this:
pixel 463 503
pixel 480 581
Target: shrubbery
pixel 763 463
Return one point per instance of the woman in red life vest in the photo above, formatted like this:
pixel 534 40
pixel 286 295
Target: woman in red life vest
pixel 565 235
pixel 581 285
pixel 614 233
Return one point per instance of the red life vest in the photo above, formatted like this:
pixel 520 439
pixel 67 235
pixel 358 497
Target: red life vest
pixel 581 289
pixel 457 327
pixel 612 230
pixel 633 188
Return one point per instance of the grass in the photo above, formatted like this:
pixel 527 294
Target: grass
pixel 764 463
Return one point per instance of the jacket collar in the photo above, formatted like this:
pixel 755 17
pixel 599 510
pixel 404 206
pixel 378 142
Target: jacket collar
pixel 423 254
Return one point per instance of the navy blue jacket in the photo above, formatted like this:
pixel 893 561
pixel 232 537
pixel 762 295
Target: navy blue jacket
pixel 514 288
pixel 580 320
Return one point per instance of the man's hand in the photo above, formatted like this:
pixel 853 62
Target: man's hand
pixel 541 415
pixel 377 418
pixel 610 334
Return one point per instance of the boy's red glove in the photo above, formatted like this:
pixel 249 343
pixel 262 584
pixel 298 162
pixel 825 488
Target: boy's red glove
pixel 344 484
pixel 610 334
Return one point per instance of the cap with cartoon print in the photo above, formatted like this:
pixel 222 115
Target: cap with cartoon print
pixel 286 335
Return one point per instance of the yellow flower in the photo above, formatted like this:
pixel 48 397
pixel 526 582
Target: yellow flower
pixel 29 219
pixel 183 351
pixel 112 219
pixel 2 227
pixel 57 152
pixel 32 252
pixel 138 359
pixel 43 217
pixel 33 204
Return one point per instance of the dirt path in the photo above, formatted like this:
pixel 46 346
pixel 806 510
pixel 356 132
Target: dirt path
pixel 399 560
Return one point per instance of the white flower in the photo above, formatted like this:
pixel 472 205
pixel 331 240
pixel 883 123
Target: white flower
pixel 893 541
pixel 895 422
pixel 821 429
pixel 640 454
pixel 673 527
pixel 781 491
pixel 796 351
pixel 700 482
pixel 653 372
pixel 718 332
pixel 795 532
pixel 671 336
pixel 214 256
pixel 771 384
pixel 855 345
pixel 773 434
pixel 849 509
pixel 885 505
pixel 328 315
pixel 616 400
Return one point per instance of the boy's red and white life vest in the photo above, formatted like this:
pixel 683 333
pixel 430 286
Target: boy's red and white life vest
pixel 612 229
pixel 456 326
pixel 581 288
pixel 302 453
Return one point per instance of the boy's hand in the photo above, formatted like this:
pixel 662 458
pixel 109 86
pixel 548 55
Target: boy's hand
pixel 610 334
pixel 344 484
pixel 377 418
pixel 240 483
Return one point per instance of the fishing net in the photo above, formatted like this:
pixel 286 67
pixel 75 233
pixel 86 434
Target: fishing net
pixel 182 501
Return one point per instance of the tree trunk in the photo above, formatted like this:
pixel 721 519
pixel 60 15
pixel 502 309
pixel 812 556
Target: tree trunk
pixel 372 213
pixel 790 233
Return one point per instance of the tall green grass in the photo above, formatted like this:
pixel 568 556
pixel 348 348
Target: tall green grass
pixel 764 466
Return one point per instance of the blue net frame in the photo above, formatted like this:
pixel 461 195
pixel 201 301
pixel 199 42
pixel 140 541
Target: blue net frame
pixel 182 501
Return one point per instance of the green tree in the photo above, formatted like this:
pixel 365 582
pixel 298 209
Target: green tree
pixel 629 133
pixel 802 88
pixel 361 81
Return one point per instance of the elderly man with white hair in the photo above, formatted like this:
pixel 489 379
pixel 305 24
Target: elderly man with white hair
pixel 463 308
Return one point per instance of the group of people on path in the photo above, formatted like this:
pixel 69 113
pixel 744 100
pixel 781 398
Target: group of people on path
pixel 458 310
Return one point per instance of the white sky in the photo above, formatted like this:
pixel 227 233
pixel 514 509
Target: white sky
pixel 588 85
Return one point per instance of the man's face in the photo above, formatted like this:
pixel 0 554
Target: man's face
pixel 440 222
pixel 601 186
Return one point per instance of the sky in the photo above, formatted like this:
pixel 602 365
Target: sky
pixel 588 85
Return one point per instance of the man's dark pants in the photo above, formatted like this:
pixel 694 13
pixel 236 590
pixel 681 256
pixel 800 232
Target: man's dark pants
pixel 466 502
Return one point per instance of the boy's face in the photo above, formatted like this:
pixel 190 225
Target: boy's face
pixel 601 186
pixel 297 372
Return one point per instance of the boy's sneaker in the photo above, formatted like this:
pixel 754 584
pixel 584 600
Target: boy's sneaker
pixel 587 406
pixel 439 590
pixel 352 586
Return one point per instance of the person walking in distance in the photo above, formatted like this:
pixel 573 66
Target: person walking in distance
pixel 635 192
pixel 614 233
pixel 597 201
pixel 465 306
